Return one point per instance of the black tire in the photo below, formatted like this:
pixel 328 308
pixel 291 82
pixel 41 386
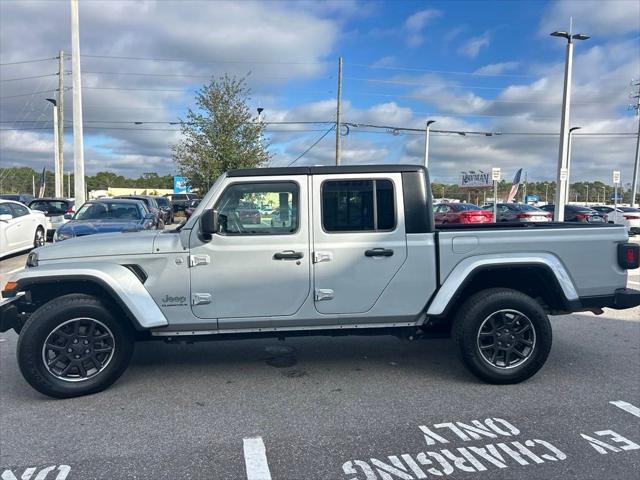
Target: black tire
pixel 56 313
pixel 39 239
pixel 475 318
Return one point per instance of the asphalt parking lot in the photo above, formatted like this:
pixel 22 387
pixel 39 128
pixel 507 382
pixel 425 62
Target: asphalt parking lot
pixel 336 408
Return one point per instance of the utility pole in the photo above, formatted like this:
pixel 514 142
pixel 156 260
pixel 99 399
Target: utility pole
pixel 636 166
pixel 69 184
pixel 426 143
pixel 561 177
pixel 524 188
pixel 60 146
pixel 587 195
pixel 338 122
pixel 78 140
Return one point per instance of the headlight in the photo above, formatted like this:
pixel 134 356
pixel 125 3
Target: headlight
pixel 59 236
pixel 32 260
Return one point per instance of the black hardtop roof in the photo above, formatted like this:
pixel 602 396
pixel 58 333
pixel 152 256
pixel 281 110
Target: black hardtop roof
pixel 324 170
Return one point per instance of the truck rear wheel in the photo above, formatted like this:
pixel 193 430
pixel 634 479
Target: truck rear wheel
pixel 503 335
pixel 73 346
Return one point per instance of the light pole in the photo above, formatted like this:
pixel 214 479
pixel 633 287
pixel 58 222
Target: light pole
pixel 56 146
pixel 546 192
pixel 571 130
pixel 426 142
pixel 561 177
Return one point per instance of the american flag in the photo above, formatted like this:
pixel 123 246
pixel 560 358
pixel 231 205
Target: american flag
pixel 514 187
pixel 43 184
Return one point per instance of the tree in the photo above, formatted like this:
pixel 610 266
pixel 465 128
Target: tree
pixel 221 134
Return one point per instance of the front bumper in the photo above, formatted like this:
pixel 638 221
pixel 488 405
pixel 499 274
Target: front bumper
pixel 9 313
pixel 622 299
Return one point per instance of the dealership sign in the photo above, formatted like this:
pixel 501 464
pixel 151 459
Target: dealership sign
pixel 473 179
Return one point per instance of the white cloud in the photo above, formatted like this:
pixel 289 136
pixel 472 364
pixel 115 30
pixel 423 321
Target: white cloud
pixel 415 24
pixel 497 68
pixel 592 17
pixel 471 48
pixel 276 41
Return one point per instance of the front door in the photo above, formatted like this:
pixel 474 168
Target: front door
pixel 359 239
pixel 259 263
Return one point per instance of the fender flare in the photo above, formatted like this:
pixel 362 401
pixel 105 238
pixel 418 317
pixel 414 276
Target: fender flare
pixel 467 268
pixel 120 283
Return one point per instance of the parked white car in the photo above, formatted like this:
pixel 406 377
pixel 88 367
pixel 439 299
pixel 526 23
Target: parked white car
pixel 627 216
pixel 20 228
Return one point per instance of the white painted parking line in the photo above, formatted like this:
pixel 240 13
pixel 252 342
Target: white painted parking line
pixel 627 407
pixel 255 459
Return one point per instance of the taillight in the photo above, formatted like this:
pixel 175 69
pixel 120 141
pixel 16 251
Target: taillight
pixel 582 216
pixel 522 215
pixel 70 210
pixel 631 217
pixel 629 255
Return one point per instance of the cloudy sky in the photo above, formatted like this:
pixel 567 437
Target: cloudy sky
pixel 470 65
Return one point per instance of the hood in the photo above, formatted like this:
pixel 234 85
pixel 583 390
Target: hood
pixel 125 243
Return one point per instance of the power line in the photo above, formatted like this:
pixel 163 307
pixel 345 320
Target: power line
pixel 28 94
pixel 137 89
pixel 184 75
pixel 28 78
pixel 28 61
pixel 448 72
pixel 249 62
pixel 423 84
pixel 312 145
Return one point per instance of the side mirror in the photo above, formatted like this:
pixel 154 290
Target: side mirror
pixel 210 222
pixel 68 216
pixel 5 217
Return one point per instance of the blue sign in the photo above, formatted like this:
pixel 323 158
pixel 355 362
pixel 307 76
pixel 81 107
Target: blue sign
pixel 180 185
pixel 531 199
pixel 613 197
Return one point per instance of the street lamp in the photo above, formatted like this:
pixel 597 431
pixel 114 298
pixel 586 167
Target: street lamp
pixel 571 130
pixel 426 143
pixel 561 178
pixel 56 154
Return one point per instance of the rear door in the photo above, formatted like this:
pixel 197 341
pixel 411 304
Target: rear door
pixel 359 240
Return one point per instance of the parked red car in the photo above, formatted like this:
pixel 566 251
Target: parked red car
pixel 460 213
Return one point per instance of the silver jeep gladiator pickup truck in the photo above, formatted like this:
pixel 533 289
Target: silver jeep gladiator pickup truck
pixel 346 250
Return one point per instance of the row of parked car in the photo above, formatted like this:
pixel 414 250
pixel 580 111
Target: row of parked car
pixel 445 213
pixel 27 222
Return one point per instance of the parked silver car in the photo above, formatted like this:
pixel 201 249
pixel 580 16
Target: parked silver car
pixel 519 212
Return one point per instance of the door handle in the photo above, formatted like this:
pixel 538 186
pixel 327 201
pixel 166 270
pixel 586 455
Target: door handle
pixel 288 255
pixel 378 252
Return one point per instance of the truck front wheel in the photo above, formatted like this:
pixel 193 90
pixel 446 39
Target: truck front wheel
pixel 503 335
pixel 73 346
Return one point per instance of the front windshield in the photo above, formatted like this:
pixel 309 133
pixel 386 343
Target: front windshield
pixel 162 201
pixel 109 211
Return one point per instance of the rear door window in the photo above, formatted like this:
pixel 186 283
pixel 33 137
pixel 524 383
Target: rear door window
pixel 358 206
